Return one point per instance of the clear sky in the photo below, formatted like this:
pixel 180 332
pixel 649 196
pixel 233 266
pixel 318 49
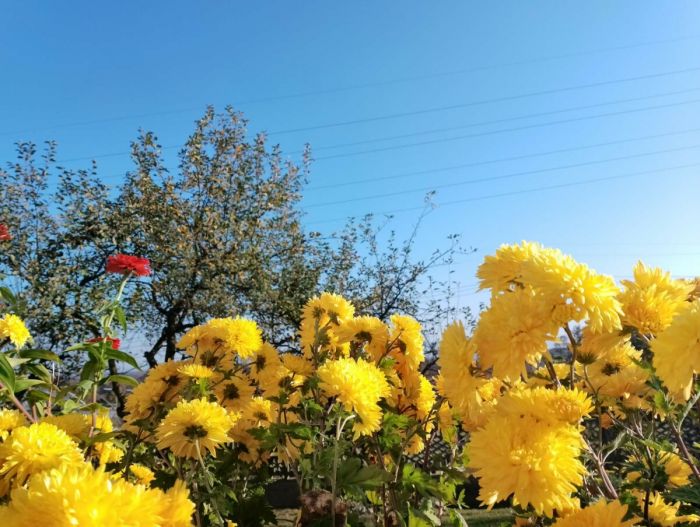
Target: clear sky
pixel 597 100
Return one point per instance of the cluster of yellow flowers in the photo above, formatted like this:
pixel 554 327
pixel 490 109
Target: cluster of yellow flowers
pixel 525 419
pixel 44 471
pixel 524 411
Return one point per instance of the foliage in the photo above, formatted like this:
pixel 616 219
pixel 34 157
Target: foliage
pixel 223 233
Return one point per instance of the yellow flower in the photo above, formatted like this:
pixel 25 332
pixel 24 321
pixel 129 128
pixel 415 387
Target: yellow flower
pixel 321 316
pixel 234 393
pixel 650 301
pixel 9 420
pixel 677 351
pixel 574 290
pixel 143 474
pixel 13 329
pixel 77 495
pixel 359 386
pixel 459 381
pixel 503 270
pixel 267 369
pixel 406 341
pixel 368 331
pixel 193 424
pixel 297 364
pixel 677 470
pixel 514 332
pixel 615 375
pixel 162 384
pixel 228 337
pixel 662 513
pixel 600 514
pixel 530 449
pixel 75 425
pixel 196 371
pixel 33 449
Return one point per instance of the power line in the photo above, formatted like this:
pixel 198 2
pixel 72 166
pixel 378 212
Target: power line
pixel 516 192
pixel 454 138
pixel 497 121
pixel 486 101
pixel 502 176
pixel 367 85
pixel 506 130
pixel 498 160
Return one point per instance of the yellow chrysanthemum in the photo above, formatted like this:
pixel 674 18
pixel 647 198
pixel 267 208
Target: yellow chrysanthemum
pixel 651 300
pixel 504 269
pixel 234 393
pixel 9 420
pixel 196 371
pixel 267 369
pixel 530 449
pixel 406 341
pixel 600 514
pixel 143 474
pixel 368 331
pixel 514 332
pixel 593 345
pixel 77 495
pixel 663 513
pixel 192 425
pixel 677 351
pixel 35 448
pixel 538 465
pixel 677 470
pixel 574 291
pixel 615 374
pixel 460 381
pixel 12 328
pixel 162 384
pixel 228 337
pixel 75 425
pixel 297 364
pixel 359 386
pixel 321 317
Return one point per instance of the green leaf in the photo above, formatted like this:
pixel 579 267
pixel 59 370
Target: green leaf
pixel 122 356
pixel 8 295
pixel 40 355
pixel 351 473
pixel 23 383
pixel 121 317
pixel 7 373
pixel 686 494
pixel 122 379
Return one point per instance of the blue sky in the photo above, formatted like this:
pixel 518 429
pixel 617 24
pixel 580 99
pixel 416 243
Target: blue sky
pixel 568 91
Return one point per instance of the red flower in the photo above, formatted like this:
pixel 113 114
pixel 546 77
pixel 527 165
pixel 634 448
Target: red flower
pixel 115 342
pixel 5 235
pixel 127 264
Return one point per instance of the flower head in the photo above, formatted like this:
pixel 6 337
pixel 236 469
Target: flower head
pixel 33 449
pixel 193 425
pixel 196 371
pixel 459 380
pixel 600 514
pixel 12 328
pixel 359 386
pixel 9 420
pixel 5 235
pixel 677 351
pixel 126 264
pixel 651 300
pixel 73 495
pixel 115 343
